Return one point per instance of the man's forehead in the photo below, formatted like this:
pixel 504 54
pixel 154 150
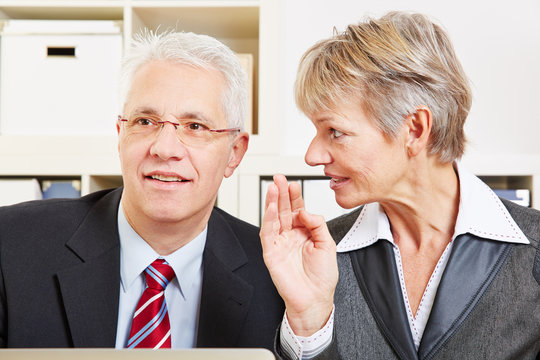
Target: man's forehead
pixel 163 88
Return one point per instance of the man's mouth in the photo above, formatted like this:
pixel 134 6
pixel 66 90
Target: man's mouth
pixel 168 178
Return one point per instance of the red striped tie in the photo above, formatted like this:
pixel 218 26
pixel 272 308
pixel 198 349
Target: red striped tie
pixel 150 327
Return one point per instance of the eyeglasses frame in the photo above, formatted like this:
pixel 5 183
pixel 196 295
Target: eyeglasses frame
pixel 163 122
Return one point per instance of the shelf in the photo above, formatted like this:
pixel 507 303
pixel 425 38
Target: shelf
pixel 91 183
pixel 223 22
pixel 503 182
pixel 58 155
pixel 195 3
pixel 507 182
pixel 87 183
pixel 62 10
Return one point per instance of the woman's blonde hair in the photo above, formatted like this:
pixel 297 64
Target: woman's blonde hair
pixel 392 65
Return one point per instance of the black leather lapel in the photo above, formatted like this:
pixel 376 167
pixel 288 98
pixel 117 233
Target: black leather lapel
pixel 376 272
pixel 473 264
pixel 90 290
pixel 225 297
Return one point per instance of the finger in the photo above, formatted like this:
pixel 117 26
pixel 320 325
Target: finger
pixel 271 195
pixel 295 193
pixel 269 226
pixel 284 202
pixel 316 225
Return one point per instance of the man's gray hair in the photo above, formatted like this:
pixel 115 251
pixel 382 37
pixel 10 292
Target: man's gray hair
pixel 190 49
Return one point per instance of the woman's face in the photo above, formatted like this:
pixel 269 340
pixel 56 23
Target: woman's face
pixel 364 164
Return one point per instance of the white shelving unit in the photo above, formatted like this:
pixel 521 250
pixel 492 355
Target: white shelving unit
pixel 247 26
pixel 276 32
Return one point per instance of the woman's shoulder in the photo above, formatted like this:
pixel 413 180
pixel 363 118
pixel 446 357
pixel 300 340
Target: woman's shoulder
pixel 528 220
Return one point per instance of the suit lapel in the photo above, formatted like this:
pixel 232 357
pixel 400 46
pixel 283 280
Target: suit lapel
pixel 472 266
pixel 225 297
pixel 376 273
pixel 90 290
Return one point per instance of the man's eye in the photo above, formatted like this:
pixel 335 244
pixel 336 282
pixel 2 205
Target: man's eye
pixel 144 122
pixel 193 126
pixel 336 133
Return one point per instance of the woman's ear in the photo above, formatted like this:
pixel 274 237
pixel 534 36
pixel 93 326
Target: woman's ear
pixel 419 129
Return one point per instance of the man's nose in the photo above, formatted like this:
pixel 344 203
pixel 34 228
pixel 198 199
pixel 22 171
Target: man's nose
pixel 167 144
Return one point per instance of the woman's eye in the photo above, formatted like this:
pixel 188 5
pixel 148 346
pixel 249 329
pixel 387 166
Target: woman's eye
pixel 336 133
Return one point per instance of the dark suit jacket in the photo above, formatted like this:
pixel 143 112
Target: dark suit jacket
pixel 60 277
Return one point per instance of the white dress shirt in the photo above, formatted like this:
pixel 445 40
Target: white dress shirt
pixel 182 295
pixel 480 213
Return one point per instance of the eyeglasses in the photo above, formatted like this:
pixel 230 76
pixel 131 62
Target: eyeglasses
pixel 190 131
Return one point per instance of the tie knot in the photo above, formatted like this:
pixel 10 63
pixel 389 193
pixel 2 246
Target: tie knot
pixel 159 274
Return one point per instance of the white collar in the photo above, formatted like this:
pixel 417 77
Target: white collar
pixel 136 254
pixel 481 213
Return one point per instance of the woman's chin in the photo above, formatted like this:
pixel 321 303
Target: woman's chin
pixel 346 202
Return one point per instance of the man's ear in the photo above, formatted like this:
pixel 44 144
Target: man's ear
pixel 118 133
pixel 239 148
pixel 118 123
pixel 419 130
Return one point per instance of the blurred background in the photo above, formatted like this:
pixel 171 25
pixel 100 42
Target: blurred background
pixel 59 61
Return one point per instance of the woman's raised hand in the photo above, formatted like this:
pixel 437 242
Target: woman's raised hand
pixel 300 255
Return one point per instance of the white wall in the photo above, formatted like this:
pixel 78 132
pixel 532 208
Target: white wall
pixel 497 41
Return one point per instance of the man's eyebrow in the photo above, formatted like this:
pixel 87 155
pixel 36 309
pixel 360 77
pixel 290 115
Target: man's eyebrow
pixel 146 111
pixel 194 115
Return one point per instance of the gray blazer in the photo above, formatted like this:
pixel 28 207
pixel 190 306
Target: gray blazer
pixel 487 304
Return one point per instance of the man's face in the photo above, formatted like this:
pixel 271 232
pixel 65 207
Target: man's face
pixel 165 180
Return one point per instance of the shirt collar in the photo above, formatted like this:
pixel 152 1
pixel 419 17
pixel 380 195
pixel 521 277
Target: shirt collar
pixel 136 254
pixel 481 213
